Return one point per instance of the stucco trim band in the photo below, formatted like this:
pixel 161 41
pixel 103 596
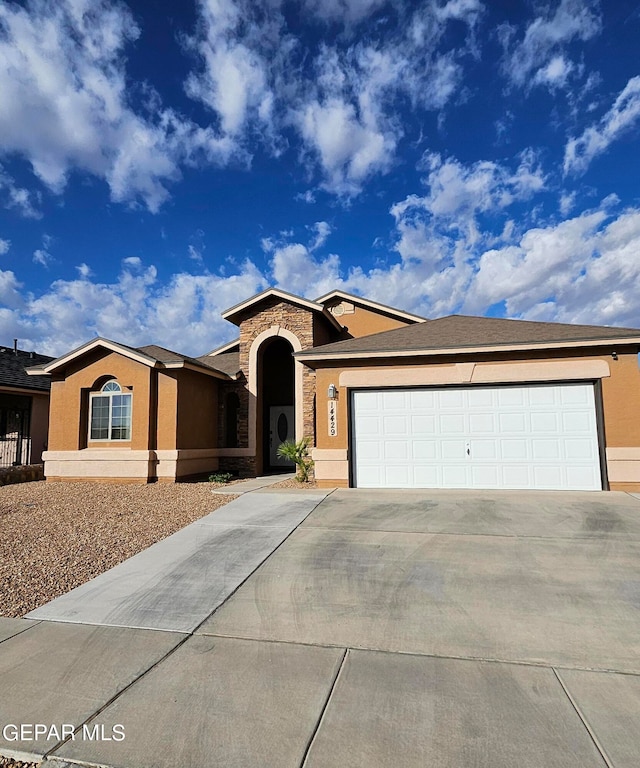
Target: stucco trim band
pixel 330 463
pixel 623 465
pixel 91 463
pixel 475 373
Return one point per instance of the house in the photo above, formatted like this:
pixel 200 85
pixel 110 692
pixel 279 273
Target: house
pixel 24 407
pixel 387 398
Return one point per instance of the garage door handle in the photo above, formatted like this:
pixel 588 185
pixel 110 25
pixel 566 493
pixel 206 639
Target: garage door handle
pixel 468 450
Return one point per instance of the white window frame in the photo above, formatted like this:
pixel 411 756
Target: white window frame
pixel 110 393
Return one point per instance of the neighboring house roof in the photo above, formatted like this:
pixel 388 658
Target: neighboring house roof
pixel 233 313
pixel 13 365
pixel 384 308
pixel 458 334
pixel 151 355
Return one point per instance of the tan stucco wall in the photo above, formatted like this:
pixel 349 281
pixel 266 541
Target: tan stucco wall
pixel 364 322
pixel 620 398
pixel 167 410
pixel 39 426
pixel 174 423
pixel 197 411
pixel 68 405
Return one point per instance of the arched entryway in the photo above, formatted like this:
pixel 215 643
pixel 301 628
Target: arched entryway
pixel 276 402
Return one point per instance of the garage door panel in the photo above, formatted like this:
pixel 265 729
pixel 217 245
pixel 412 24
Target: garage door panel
pixel 547 477
pixel 392 400
pixel 453 424
pixel 536 436
pixel 455 476
pixel 425 449
pixel 577 421
pixel 545 449
pixel 512 422
pixel 510 396
pixel 370 425
pixel 423 425
pixel 450 398
pixel 514 450
pixel 395 425
pixel 397 476
pixel 544 421
pixel 397 449
pixel 484 449
pixel 453 449
pixel 482 422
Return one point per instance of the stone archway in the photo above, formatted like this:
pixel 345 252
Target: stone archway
pixel 275 382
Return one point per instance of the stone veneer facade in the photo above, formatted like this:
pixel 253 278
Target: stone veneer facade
pixel 273 313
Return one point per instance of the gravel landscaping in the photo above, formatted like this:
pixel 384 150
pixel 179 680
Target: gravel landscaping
pixel 56 536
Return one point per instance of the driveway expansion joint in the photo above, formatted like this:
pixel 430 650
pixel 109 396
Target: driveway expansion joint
pixel 324 708
pixel 584 720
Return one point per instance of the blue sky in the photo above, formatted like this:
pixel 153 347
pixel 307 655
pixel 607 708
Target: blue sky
pixel 162 161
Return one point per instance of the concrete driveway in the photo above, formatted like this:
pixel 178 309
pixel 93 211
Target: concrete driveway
pixel 404 628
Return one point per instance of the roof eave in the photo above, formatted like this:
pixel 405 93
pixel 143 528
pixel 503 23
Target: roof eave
pixel 313 306
pixel 112 346
pixel 200 369
pixel 312 356
pixel 385 308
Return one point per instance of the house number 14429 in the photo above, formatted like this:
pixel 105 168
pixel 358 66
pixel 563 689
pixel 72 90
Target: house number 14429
pixel 333 418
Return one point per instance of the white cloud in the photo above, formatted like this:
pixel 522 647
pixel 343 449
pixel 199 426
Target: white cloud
pixel 347 11
pixel 341 99
pixel 4 246
pixel 350 147
pixel 539 57
pixel 457 193
pixel 41 257
pixel 18 198
pixel 322 230
pixel 622 117
pixel 84 270
pixel 555 73
pixel 182 314
pixel 65 104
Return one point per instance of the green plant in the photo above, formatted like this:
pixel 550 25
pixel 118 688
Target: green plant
pixel 220 477
pixel 298 453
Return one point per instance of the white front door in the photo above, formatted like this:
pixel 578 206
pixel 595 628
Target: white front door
pixel 524 436
pixel 281 428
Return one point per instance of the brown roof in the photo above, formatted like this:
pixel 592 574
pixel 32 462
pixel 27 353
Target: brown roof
pixel 163 355
pixel 462 332
pixel 226 362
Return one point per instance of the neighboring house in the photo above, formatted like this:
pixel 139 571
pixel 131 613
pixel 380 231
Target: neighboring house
pixel 388 399
pixel 24 407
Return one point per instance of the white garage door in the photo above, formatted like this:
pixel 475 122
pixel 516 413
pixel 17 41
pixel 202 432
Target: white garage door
pixel 537 436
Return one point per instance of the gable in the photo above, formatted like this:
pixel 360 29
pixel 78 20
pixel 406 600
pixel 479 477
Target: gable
pixel 362 317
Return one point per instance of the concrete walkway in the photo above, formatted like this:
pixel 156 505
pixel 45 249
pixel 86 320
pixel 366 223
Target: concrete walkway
pixel 253 484
pixel 494 630
pixel 177 583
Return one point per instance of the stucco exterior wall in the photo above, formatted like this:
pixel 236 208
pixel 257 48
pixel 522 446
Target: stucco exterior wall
pixel 69 403
pixel 359 321
pixel 620 382
pixel 197 411
pixel 174 424
pixel 39 426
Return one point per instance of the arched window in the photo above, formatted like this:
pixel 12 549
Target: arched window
pixel 110 413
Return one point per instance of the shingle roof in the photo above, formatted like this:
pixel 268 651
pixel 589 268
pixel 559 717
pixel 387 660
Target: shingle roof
pixel 462 332
pixel 227 362
pixel 12 369
pixel 218 363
